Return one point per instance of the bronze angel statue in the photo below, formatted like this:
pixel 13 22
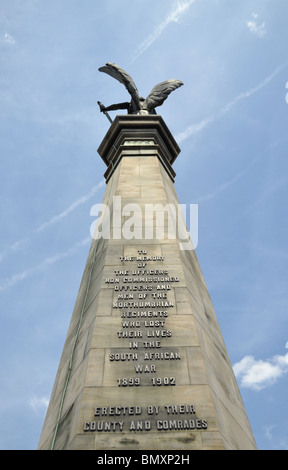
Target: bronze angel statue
pixel 138 104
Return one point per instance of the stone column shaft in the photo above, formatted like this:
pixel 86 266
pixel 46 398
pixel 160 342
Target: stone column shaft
pixel 144 365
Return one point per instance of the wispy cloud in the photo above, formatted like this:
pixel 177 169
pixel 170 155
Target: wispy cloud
pixel 256 28
pixel 6 38
pixel 11 281
pixel 71 208
pixel 53 220
pixel 39 404
pixel 174 16
pixel 268 431
pixel 196 128
pixel 269 189
pixel 258 374
pixel 227 184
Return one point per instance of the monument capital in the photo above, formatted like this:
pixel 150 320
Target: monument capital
pixel 135 135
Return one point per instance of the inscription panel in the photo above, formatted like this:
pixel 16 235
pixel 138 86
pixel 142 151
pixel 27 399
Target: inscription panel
pixel 169 417
pixel 145 347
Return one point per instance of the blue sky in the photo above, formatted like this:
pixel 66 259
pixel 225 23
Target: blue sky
pixel 230 120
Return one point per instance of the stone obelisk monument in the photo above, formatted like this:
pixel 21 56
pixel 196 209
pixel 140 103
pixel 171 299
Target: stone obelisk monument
pixel 144 365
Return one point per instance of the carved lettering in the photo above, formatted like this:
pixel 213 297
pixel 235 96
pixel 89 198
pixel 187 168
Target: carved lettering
pixel 144 298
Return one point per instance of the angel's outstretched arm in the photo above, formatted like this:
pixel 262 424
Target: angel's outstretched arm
pixel 113 107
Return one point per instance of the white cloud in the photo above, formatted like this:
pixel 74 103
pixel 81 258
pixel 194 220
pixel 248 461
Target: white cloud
pixel 259 374
pixel 174 16
pixel 8 39
pixel 268 431
pixel 259 30
pixel 39 405
pixel 255 28
pixel 196 128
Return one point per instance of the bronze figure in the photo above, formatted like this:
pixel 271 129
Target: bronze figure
pixel 138 104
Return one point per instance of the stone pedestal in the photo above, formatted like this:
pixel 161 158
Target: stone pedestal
pixel 144 365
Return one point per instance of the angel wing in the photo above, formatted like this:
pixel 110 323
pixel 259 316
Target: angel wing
pixel 160 92
pixel 123 77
